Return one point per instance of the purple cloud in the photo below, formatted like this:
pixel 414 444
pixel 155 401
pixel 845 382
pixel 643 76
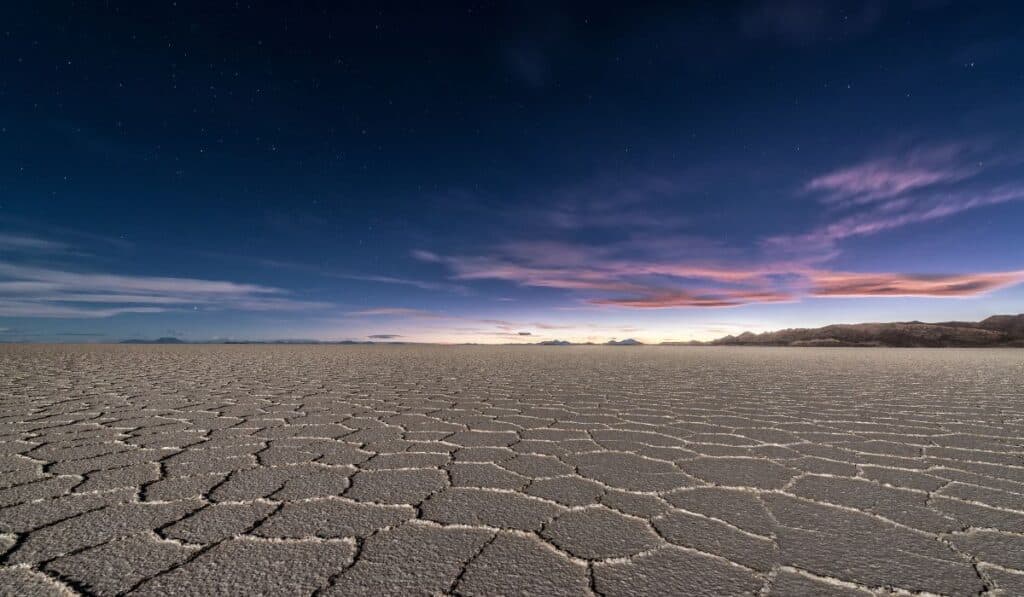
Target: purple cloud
pixel 888 177
pixel 850 284
pixel 897 213
pixel 604 277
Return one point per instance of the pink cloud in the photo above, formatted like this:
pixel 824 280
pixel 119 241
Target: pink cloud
pixel 558 271
pixel 591 270
pixel 850 284
pixel 599 275
pixel 898 213
pixel 656 270
pixel 582 267
pixel 668 299
pixel 893 192
pixel 888 177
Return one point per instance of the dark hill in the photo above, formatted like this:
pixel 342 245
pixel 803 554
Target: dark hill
pixel 626 342
pixel 998 330
pixel 164 340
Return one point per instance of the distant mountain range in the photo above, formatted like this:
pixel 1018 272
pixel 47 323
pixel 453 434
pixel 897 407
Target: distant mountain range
pixel 164 340
pixel 626 342
pixel 998 330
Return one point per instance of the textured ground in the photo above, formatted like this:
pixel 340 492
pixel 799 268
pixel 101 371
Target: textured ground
pixel 268 470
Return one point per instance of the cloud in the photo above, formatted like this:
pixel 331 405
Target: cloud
pixel 644 261
pixel 463 325
pixel 897 213
pixel 603 276
pixel 393 311
pixel 646 280
pixel 635 202
pixel 882 194
pixel 116 242
pixel 48 310
pixel 550 326
pixel 849 284
pixel 667 299
pixel 383 336
pixel 118 283
pixel 608 267
pixel 423 284
pixel 15 242
pixel 27 291
pixel 888 177
pixel 548 265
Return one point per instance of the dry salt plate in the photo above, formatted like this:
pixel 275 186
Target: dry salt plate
pixel 284 470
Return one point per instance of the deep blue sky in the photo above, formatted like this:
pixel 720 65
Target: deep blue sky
pixel 505 172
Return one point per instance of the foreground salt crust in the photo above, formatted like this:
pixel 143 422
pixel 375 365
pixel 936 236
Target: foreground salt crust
pixel 491 470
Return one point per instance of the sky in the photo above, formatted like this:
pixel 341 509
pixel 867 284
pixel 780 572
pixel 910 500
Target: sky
pixel 506 172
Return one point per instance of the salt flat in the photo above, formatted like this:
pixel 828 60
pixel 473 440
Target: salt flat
pixel 369 470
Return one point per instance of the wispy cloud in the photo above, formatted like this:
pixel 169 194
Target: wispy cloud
pixel 414 323
pixel 887 193
pixel 611 203
pixel 897 213
pixel 27 291
pixel 646 260
pixel 635 202
pixel 422 284
pixel 329 273
pixel 9 308
pixel 580 267
pixel 116 283
pixel 23 242
pixel 603 277
pixel 393 312
pixel 516 325
pixel 645 280
pixel 851 284
pixel 668 299
pixel 67 235
pixel 883 178
pixel 662 269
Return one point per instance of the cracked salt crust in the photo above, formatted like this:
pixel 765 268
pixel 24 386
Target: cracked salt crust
pixel 397 470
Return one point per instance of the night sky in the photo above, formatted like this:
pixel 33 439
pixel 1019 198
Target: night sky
pixel 489 172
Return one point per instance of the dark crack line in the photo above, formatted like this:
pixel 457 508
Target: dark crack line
pixel 453 587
